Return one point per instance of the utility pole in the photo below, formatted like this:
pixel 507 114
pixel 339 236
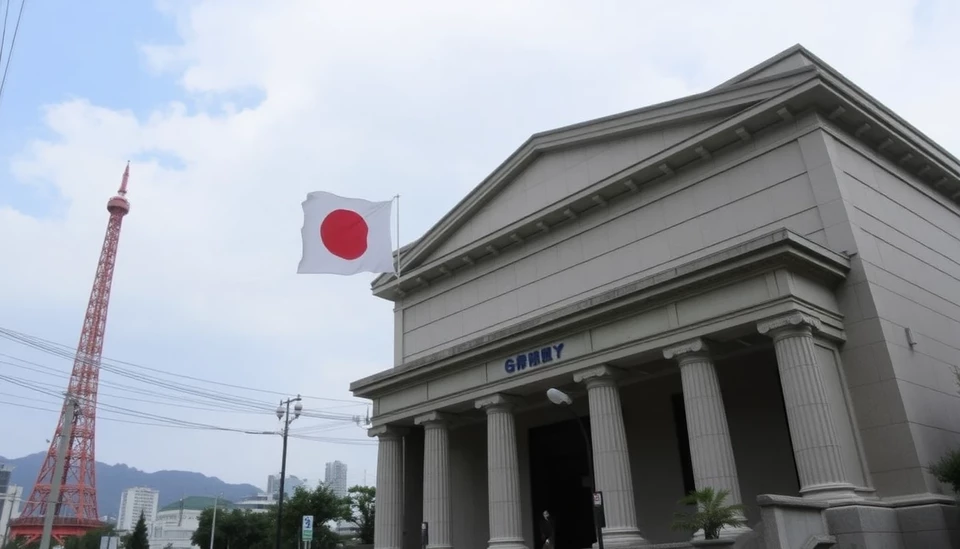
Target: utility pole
pixel 53 497
pixel 213 526
pixel 283 414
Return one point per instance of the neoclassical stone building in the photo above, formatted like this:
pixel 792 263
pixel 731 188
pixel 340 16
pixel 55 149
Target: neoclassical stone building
pixel 756 289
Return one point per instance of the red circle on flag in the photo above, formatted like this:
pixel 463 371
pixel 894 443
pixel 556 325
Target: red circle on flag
pixel 344 233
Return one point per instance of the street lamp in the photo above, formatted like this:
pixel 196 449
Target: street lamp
pixel 283 414
pixel 563 400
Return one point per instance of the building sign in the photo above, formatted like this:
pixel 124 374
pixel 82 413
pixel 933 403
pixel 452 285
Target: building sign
pixel 534 358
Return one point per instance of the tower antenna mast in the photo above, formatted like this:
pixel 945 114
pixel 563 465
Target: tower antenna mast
pixel 75 511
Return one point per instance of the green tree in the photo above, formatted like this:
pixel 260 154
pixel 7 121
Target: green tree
pixel 711 514
pixel 89 540
pixel 138 538
pixel 238 529
pixel 235 529
pixel 363 503
pixel 324 506
pixel 18 544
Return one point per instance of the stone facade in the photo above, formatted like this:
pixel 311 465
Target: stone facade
pixel 754 289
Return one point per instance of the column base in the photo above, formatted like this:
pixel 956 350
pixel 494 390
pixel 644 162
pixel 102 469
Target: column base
pixel 839 491
pixel 622 538
pixel 439 547
pixel 507 543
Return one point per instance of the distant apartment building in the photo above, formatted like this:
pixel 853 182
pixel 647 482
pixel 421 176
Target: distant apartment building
pixel 5 472
pixel 290 485
pixel 273 485
pixel 11 498
pixel 335 478
pixel 133 502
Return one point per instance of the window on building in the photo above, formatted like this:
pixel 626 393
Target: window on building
pixel 683 441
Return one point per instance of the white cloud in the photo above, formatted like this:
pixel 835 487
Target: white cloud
pixel 376 98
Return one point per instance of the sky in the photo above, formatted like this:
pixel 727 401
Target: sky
pixel 230 111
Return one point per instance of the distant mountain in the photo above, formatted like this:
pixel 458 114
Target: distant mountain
pixel 114 479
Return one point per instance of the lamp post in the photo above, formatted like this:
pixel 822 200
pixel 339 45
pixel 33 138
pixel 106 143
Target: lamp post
pixel 283 414
pixel 563 400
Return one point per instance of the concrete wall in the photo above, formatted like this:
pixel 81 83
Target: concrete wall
pixel 758 188
pixel 909 246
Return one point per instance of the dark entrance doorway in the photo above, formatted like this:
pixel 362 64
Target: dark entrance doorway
pixel 559 483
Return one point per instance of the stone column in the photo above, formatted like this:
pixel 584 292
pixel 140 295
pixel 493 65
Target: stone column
pixel 436 479
pixel 503 474
pixel 711 449
pixel 611 459
pixel 816 446
pixel 388 524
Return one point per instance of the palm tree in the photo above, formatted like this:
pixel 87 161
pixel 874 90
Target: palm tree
pixel 711 514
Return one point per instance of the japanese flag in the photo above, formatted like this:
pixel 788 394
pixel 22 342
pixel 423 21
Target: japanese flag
pixel 345 236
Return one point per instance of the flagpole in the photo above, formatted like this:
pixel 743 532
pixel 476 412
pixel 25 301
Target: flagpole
pixel 397 197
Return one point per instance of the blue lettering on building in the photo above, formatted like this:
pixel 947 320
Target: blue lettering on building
pixel 534 358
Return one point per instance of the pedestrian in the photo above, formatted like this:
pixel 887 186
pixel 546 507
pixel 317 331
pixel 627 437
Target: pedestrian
pixel 548 531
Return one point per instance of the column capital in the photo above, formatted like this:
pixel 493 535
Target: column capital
pixel 432 419
pixel 685 350
pixel 386 432
pixel 792 321
pixel 594 375
pixel 496 403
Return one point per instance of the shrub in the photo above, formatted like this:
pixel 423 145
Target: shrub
pixel 711 514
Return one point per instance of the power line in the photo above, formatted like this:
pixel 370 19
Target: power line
pixel 109 408
pixel 249 407
pixel 13 41
pixel 331 440
pixel 109 364
pixel 200 395
pixel 238 406
pixel 165 392
pixel 161 421
pixel 264 407
pixel 103 407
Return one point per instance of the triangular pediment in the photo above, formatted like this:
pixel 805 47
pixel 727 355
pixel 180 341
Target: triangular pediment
pixel 556 172
pixel 568 159
pixel 555 175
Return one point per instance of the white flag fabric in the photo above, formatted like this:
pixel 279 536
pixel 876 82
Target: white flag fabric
pixel 345 236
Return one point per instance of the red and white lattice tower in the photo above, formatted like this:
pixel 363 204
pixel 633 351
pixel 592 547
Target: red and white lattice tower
pixel 76 510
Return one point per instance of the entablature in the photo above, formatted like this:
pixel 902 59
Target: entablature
pixel 777 253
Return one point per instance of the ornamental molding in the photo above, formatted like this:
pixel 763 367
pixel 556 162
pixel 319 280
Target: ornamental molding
pixel 796 319
pixel 432 419
pixel 691 346
pixel 385 432
pixel 496 402
pixel 600 372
